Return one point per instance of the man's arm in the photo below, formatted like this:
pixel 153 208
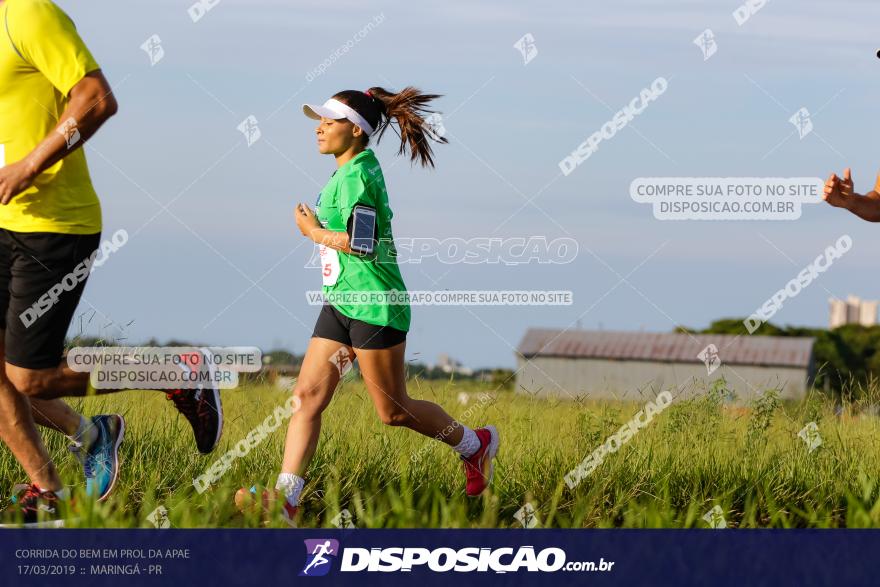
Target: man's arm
pixel 839 193
pixel 91 103
pixel 867 207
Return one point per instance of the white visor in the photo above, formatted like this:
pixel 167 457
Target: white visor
pixel 337 110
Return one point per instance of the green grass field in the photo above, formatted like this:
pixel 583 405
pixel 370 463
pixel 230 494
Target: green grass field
pixel 693 456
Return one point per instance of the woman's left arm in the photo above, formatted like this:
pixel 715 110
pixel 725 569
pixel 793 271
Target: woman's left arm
pixel 334 239
pixel 311 228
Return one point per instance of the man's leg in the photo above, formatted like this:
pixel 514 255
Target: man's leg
pixel 31 265
pixel 17 427
pixel 51 383
pixel 56 415
pixel 40 264
pixel 18 431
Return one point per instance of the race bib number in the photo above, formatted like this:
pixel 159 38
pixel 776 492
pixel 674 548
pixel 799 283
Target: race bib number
pixel 2 155
pixel 329 264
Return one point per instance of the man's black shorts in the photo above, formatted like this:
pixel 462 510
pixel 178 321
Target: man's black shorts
pixel 41 281
pixel 335 325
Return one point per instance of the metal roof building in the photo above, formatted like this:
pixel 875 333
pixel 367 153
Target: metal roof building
pixel 636 365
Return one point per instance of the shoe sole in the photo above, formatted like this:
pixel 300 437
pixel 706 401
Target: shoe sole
pixel 46 524
pixel 115 456
pixel 217 403
pixel 491 451
pixel 494 441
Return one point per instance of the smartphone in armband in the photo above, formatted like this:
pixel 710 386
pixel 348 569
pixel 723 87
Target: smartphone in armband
pixel 362 230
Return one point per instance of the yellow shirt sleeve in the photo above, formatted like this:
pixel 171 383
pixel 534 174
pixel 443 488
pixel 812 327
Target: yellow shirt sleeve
pixel 47 39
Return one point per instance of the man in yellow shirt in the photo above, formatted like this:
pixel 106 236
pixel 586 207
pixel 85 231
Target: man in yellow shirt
pixel 839 193
pixel 53 98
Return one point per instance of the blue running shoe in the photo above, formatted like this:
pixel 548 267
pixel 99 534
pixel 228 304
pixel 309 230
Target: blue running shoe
pixel 100 461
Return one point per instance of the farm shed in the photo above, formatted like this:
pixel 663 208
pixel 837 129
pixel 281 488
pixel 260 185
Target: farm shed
pixel 634 365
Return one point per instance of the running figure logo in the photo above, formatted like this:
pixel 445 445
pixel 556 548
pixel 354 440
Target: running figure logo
pixel 802 121
pixel 317 552
pixel 706 42
pixel 153 48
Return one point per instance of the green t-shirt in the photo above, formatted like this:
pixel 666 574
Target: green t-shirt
pixel 360 182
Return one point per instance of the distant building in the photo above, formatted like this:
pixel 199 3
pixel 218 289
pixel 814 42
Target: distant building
pixel 852 311
pixel 449 365
pixel 638 365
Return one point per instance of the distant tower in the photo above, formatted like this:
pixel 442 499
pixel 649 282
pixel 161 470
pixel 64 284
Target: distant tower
pixel 838 313
pixel 853 311
pixel 868 314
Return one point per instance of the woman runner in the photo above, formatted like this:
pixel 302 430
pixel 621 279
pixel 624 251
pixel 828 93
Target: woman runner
pixel 374 333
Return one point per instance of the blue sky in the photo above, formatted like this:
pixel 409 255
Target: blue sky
pixel 224 263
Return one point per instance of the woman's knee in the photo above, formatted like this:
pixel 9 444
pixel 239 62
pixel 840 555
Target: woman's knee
pixel 311 398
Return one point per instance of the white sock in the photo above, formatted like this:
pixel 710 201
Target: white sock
pixel 470 443
pixel 63 494
pixel 291 486
pixel 86 434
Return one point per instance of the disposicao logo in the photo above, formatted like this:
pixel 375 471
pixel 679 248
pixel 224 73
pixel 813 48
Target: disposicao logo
pixel 318 556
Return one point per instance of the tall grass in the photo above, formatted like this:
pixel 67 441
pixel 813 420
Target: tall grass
pixel 695 455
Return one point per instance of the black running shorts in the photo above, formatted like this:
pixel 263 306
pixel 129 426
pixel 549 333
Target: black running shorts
pixel 42 277
pixel 358 334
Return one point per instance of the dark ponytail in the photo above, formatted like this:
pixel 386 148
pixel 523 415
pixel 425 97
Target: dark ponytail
pixel 407 107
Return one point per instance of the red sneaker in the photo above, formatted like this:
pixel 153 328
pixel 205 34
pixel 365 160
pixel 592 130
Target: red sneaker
pixel 478 468
pixel 34 508
pixel 203 410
